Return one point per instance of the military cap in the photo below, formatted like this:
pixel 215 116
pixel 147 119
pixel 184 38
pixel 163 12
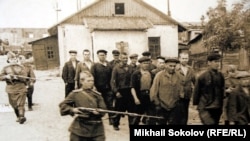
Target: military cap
pixel 11 54
pixel 115 52
pixel 146 53
pixel 102 50
pixel 144 59
pixel 175 60
pixel 160 57
pixel 133 55
pixel 73 51
pixel 213 56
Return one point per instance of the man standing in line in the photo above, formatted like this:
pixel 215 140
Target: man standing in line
pixel 120 83
pixel 84 65
pixel 151 65
pixel 115 60
pixel 15 85
pixel 209 92
pixel 188 79
pixel 165 93
pixel 102 71
pixel 160 65
pixel 133 61
pixel 141 81
pixel 69 72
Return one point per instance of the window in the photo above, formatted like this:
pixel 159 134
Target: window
pixel 50 53
pixel 154 46
pixel 119 9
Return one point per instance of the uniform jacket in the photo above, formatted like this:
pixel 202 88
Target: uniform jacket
pixel 188 82
pixel 69 72
pixel 16 84
pixel 86 124
pixel 209 90
pixel 165 90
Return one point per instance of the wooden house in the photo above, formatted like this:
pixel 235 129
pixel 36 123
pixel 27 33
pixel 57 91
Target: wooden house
pixel 131 26
pixel 46 53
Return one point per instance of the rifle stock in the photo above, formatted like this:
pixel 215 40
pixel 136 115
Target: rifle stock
pixel 117 112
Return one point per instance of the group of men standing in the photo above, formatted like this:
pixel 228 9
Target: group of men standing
pixel 163 90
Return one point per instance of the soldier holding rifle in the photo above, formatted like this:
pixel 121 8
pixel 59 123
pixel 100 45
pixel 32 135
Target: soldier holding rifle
pixel 16 86
pixel 87 125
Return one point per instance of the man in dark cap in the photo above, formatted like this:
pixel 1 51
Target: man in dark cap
pixel 237 105
pixel 209 92
pixel 102 70
pixel 115 60
pixel 141 81
pixel 165 93
pixel 69 72
pixel 133 61
pixel 151 65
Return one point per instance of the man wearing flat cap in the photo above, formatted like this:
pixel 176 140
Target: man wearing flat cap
pixel 238 106
pixel 165 93
pixel 102 70
pixel 115 60
pixel 151 65
pixel 69 72
pixel 209 92
pixel 133 61
pixel 141 81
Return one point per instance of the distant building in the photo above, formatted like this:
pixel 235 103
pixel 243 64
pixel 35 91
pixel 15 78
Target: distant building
pixel 131 26
pixel 18 38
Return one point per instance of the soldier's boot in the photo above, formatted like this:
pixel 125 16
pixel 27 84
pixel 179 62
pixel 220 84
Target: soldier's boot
pixel 17 114
pixel 22 118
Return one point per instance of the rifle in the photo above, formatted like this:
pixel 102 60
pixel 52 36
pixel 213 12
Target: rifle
pixel 31 78
pixel 117 112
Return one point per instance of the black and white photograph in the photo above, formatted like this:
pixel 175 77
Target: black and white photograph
pixel 98 70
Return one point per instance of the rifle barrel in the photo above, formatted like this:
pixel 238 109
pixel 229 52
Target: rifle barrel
pixel 118 112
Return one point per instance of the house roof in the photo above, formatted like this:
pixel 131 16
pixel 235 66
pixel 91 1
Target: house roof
pixel 111 23
pixel 141 2
pixel 32 42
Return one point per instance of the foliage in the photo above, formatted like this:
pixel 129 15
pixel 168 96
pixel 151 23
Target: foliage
pixel 225 29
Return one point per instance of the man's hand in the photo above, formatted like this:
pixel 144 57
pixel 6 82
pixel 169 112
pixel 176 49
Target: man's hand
pixel 77 111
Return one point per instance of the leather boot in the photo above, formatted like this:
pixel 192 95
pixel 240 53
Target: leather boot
pixel 17 114
pixel 22 118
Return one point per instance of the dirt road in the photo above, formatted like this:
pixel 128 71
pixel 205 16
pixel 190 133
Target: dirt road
pixel 44 123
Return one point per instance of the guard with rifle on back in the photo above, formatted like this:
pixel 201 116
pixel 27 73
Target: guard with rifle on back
pixel 87 125
pixel 16 85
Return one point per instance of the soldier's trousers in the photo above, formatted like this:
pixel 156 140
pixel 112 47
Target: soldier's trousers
pixel 30 91
pixel 17 101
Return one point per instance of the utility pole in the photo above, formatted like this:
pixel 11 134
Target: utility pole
pixel 78 4
pixel 57 11
pixel 169 13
